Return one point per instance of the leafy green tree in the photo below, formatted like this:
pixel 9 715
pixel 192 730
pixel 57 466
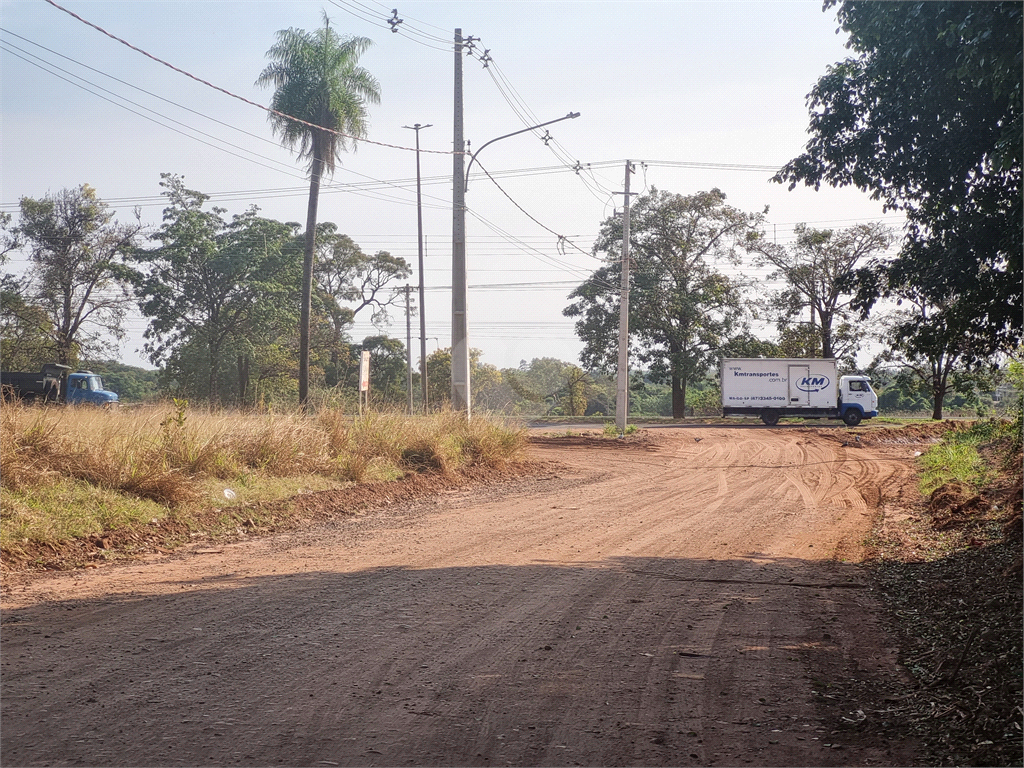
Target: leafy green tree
pixel 77 273
pixel 26 334
pixel 745 344
pixel 817 268
pixel 936 355
pixel 347 274
pixel 319 101
pixel 349 281
pixel 552 386
pixel 489 389
pixel 681 308
pixel 8 238
pixel 926 116
pixel 211 284
pixel 387 368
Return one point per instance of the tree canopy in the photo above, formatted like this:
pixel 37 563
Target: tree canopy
pixel 816 268
pixel 926 116
pixel 681 308
pixel 77 289
pixel 213 287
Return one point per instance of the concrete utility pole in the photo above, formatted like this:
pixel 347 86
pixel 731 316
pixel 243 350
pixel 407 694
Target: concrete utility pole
pixel 461 392
pixel 622 383
pixel 419 235
pixel 408 347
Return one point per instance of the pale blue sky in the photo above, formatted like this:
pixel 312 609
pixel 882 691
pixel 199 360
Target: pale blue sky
pixel 676 82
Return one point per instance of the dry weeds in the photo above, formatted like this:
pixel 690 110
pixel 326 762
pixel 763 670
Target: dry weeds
pixel 71 472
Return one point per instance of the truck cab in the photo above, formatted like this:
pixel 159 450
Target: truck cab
pixel 857 400
pixel 87 387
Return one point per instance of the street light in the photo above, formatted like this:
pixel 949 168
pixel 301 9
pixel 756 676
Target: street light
pixel 461 391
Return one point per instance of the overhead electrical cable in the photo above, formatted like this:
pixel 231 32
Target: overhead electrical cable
pixel 562 239
pixel 442 30
pixel 235 95
pixel 285 168
pixel 583 273
pixel 290 171
pixel 396 25
pixel 5 46
pixel 140 89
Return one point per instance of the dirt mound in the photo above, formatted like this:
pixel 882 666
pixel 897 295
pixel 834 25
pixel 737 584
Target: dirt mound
pixel 954 503
pixel 641 440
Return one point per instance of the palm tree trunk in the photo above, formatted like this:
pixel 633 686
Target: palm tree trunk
pixel 307 271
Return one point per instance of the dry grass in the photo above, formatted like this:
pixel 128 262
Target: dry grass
pixel 70 472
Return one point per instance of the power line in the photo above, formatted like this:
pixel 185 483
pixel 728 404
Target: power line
pixel 235 95
pixel 396 25
pixel 561 238
pixel 5 46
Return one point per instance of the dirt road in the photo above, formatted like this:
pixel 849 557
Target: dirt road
pixel 684 601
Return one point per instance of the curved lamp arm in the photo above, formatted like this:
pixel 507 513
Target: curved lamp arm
pixel 472 158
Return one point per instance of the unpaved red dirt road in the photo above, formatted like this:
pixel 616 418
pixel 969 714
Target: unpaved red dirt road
pixel 683 601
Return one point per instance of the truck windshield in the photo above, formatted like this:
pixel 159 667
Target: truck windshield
pixel 92 383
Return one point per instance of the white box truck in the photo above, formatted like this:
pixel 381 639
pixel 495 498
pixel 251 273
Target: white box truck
pixel 775 387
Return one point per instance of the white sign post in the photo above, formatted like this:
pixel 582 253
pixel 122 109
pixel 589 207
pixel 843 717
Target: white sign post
pixel 364 379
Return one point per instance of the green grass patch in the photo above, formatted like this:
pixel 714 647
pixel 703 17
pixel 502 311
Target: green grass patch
pixel 959 457
pixel 611 429
pixel 956 462
pixel 69 509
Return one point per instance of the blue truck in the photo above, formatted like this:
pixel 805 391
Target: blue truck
pixel 56 383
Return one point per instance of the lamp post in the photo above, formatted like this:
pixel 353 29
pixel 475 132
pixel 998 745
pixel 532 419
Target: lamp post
pixel 419 234
pixel 461 392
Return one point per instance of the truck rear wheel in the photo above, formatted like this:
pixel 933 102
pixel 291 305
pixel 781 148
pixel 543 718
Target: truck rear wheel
pixel 852 417
pixel 771 418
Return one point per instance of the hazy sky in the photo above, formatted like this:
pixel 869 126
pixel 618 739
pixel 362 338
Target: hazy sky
pixel 672 85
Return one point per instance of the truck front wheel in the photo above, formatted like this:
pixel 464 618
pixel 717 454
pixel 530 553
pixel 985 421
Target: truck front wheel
pixel 771 418
pixel 852 417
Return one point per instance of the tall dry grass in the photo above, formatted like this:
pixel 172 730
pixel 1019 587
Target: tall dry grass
pixel 169 454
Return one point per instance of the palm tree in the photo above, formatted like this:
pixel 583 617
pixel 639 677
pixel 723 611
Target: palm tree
pixel 317 80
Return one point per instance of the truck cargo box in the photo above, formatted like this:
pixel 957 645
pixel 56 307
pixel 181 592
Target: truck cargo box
pixel 778 382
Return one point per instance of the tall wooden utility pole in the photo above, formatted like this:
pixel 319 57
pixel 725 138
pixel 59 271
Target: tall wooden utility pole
pixel 622 383
pixel 419 237
pixel 461 397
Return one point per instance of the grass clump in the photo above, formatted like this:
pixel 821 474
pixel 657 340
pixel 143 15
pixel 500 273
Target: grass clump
pixel 612 430
pixel 959 457
pixel 73 472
